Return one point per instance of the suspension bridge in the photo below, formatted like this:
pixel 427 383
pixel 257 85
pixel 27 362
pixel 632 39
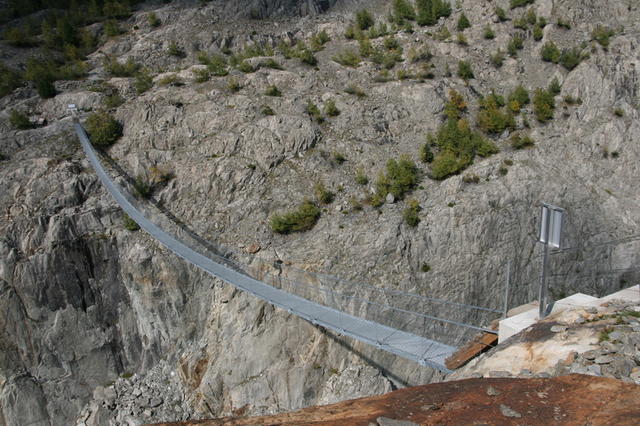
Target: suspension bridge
pixel 425 351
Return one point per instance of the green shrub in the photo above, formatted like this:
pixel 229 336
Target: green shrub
pixel 401 177
pixel 273 91
pixel 112 28
pixel 348 58
pixel 429 11
pixel 518 98
pixel 129 224
pixel 492 119
pixel 314 112
pixel 175 50
pixel 488 33
pixel 117 69
pixel 538 33
pixel 562 23
pixel 246 67
pixel 330 108
pixel 403 9
pixel 103 128
pixel 323 195
pixel 519 3
pixel 555 87
pixel 153 20
pixel 411 213
pixel 618 112
pixel 9 80
pixel 543 105
pixel 426 155
pixel 112 101
pixel 361 177
pixel 143 82
pixel 521 23
pixel 571 58
pixel 170 80
pixel 338 157
pixel 233 85
pixel 306 57
pixel 19 120
pixel 142 187
pixel 463 23
pixel 462 40
pixel 19 36
pixel 550 52
pixel 419 55
pixel 497 59
pixel 267 110
pixel 465 71
pixel 216 64
pixel 364 19
pixel 459 145
pixel 201 75
pixel 471 178
pixel 116 9
pixel 355 90
pixel 501 14
pixel 455 106
pixel 602 35
pixel 516 43
pixel 519 141
pixel 303 218
pixel 446 164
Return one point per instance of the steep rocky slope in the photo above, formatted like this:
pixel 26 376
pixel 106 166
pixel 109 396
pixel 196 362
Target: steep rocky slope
pixel 85 301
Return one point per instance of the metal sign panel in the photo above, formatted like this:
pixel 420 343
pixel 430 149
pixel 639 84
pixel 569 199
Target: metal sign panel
pixel 551 225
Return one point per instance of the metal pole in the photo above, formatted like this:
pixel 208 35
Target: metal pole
pixel 543 275
pixel 506 291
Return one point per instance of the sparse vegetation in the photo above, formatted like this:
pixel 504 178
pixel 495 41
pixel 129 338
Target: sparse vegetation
pixel 555 87
pixel 233 85
pixel 216 64
pixel 103 128
pixel 550 52
pixel 518 98
pixel 303 218
pixel 170 80
pixel 618 112
pixel 267 110
pixel 201 75
pixel 563 23
pixel 142 187
pixel 516 43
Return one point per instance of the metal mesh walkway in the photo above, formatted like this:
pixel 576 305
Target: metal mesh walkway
pixel 407 345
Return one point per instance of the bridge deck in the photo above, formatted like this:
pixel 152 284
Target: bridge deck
pixel 424 351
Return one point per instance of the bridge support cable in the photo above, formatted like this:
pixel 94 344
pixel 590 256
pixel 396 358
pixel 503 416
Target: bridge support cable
pixel 407 345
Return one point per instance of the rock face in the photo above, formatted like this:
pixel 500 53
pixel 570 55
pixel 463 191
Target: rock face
pixel 85 301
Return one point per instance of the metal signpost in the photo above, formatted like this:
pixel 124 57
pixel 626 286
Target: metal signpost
pixel 549 235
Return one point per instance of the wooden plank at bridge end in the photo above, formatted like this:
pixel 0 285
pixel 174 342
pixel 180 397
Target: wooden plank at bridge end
pixel 483 342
